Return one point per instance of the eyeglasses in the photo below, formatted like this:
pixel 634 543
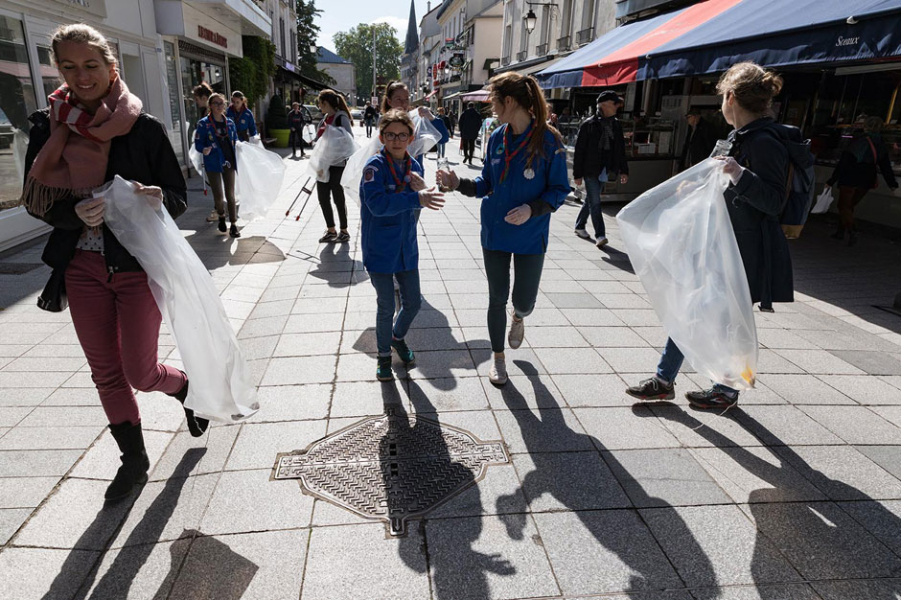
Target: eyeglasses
pixel 217 103
pixel 390 136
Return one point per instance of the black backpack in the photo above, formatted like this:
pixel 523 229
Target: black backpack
pixel 801 182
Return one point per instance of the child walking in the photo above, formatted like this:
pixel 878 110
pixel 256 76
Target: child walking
pixel 392 192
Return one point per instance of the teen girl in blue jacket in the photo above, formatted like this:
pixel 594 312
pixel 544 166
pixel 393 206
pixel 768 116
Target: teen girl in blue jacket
pixel 392 193
pixel 242 116
pixel 523 180
pixel 397 95
pixel 215 137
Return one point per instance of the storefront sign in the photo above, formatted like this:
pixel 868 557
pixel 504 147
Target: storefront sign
pixel 456 61
pixel 212 36
pixel 845 41
pixel 94 7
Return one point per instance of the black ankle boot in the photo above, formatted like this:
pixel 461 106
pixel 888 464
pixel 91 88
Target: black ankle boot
pixel 135 463
pixel 196 425
pixel 839 234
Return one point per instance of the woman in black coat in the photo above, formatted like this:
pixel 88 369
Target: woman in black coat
pixel 758 167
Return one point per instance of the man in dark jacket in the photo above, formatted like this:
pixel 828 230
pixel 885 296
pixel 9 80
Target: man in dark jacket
pixel 296 121
pixel 470 124
pixel 370 116
pixel 699 142
pixel 600 156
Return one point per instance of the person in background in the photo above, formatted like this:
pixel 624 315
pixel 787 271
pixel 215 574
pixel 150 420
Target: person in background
pixel 370 116
pixel 93 130
pixel 758 168
pixel 215 138
pixel 297 120
pixel 470 126
pixel 337 114
pixel 446 120
pixel 201 94
pixel 699 141
pixel 392 192
pixel 552 120
pixel 856 174
pixel 242 116
pixel 397 95
pixel 521 185
pixel 600 156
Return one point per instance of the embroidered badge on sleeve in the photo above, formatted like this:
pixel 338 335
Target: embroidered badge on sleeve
pixel 369 174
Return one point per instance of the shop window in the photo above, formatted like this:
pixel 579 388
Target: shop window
pixel 17 101
pixel 50 79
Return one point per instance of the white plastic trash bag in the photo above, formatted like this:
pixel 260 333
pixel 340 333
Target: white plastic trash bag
pixel 196 159
pixel 221 386
pixel 683 249
pixel 824 201
pixel 259 179
pixel 333 147
pixel 425 135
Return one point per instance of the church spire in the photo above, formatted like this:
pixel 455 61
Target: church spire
pixel 412 43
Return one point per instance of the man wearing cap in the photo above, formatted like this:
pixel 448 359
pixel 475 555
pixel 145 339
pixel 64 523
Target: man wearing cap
pixel 600 156
pixel 699 141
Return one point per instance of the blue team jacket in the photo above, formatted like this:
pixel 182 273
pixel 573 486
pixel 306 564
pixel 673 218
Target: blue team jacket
pixel 550 184
pixel 205 136
pixel 244 122
pixel 388 219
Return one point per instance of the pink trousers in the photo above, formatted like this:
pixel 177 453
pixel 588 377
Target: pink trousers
pixel 118 325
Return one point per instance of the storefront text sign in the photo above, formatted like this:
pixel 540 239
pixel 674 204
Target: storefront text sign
pixel 212 36
pixel 94 7
pixel 847 41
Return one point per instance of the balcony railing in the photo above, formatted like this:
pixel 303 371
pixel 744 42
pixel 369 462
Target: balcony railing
pixel 505 61
pixel 521 56
pixel 585 36
pixel 564 43
pixel 541 50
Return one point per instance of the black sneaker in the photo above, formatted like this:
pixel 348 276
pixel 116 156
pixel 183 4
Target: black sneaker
pixel 222 226
pixel 652 389
pixel 383 371
pixel 403 351
pixel 329 237
pixel 343 237
pixel 712 398
pixel 234 231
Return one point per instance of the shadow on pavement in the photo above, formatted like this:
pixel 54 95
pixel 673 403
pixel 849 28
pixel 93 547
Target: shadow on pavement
pixel 820 538
pixel 337 268
pixel 650 570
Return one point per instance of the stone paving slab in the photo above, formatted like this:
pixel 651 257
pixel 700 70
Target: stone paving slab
pixel 602 497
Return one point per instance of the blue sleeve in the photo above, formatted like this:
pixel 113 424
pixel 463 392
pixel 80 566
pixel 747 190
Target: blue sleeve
pixel 200 141
pixel 376 197
pixel 253 124
pixel 557 188
pixel 233 132
pixel 483 182
pixel 439 125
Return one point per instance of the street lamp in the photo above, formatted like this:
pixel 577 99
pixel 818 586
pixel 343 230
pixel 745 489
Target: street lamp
pixel 530 18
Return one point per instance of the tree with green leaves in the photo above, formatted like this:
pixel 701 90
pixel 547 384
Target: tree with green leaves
pixel 251 74
pixel 307 33
pixel 355 46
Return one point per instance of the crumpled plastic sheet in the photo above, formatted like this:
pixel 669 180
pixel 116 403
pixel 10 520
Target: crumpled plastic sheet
pixel 333 147
pixel 221 385
pixel 682 246
pixel 258 180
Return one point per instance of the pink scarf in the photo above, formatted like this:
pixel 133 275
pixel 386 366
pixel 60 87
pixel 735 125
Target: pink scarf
pixel 70 165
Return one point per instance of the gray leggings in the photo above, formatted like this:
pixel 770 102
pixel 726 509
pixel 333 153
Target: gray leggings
pixel 216 180
pixel 527 276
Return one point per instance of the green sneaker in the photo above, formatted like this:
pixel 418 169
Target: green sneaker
pixel 403 351
pixel 383 371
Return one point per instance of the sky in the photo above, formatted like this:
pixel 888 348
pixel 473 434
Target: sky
pixel 344 14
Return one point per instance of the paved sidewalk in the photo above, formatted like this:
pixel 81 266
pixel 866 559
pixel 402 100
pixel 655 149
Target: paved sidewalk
pixel 794 495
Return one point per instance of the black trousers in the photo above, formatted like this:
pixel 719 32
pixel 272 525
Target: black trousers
pixel 332 190
pixel 296 140
pixel 469 148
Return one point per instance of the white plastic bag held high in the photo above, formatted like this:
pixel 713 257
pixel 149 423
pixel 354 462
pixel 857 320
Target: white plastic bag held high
pixel 682 245
pixel 221 386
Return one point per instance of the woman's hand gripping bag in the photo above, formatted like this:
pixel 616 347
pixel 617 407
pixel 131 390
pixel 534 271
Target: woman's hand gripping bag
pixel 221 385
pixel 333 147
pixel 258 180
pixel 682 246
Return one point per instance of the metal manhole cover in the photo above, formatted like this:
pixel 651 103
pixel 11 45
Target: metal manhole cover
pixel 392 467
pixel 7 268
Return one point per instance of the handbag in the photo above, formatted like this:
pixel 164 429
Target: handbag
pixel 53 298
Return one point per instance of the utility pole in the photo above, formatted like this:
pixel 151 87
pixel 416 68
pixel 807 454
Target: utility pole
pixel 374 79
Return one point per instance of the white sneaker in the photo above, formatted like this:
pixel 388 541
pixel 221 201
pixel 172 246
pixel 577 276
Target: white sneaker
pixel 498 373
pixel 582 233
pixel 517 331
pixel 601 242
pixel 214 216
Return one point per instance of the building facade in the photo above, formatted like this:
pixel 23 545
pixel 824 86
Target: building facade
pixel 429 44
pixel 342 72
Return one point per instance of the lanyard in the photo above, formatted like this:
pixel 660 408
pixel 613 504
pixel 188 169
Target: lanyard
pixel 509 157
pixel 408 165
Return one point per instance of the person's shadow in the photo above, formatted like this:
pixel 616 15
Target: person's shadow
pixel 457 569
pixel 337 268
pixel 819 539
pixel 650 570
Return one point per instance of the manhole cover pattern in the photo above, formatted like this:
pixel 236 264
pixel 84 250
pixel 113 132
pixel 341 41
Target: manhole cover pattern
pixel 392 467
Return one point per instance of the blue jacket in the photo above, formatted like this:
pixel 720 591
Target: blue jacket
pixel 247 126
pixel 388 219
pixel 544 193
pixel 205 137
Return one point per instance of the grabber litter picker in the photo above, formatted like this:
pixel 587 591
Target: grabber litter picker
pixel 309 192
pixel 293 202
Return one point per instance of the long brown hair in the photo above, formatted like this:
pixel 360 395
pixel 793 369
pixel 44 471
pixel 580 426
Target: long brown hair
pixel 753 86
pixel 526 92
pixel 389 91
pixel 336 101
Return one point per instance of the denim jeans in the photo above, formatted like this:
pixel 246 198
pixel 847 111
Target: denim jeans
pixel 592 206
pixel 671 362
pixel 411 301
pixel 441 150
pixel 527 276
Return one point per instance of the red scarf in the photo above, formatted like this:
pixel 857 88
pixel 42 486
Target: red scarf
pixel 325 123
pixel 400 182
pixel 76 164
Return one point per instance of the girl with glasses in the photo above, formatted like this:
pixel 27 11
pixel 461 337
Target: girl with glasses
pixel 215 137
